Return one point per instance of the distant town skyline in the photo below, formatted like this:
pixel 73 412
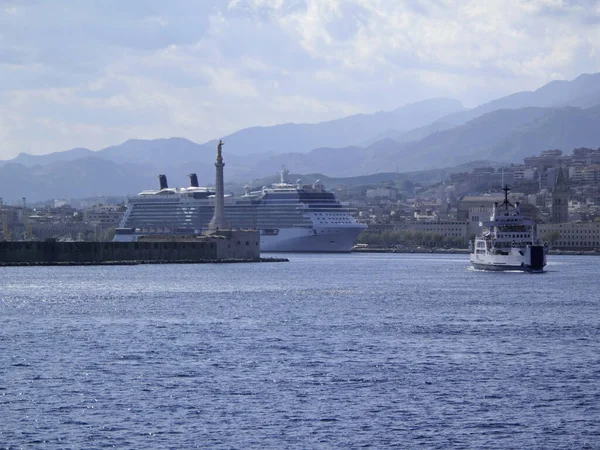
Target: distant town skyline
pixel 94 74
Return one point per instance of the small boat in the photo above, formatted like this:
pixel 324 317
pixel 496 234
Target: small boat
pixel 508 241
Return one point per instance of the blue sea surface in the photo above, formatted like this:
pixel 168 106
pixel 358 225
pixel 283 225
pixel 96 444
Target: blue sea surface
pixel 342 351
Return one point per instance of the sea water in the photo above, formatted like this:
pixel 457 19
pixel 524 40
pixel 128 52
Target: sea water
pixel 345 351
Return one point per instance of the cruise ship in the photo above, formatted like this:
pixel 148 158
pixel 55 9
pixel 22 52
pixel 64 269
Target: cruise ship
pixel 508 242
pixel 291 217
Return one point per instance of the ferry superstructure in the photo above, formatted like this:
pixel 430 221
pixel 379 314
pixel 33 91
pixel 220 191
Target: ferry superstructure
pixel 508 241
pixel 291 217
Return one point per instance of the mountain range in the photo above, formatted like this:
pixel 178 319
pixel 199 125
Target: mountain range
pixel 432 134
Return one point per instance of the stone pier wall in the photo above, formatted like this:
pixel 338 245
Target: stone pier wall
pixel 237 246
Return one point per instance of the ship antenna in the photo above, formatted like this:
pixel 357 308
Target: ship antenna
pixel 283 174
pixel 506 203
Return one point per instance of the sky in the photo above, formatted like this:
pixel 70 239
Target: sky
pixel 95 73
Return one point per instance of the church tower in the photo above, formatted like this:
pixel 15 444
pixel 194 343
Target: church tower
pixel 560 199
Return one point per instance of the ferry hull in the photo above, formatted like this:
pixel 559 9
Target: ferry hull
pixel 527 259
pixel 505 267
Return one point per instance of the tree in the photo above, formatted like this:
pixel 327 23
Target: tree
pixel 428 238
pixel 418 237
pixel 437 238
pixel 551 236
pixel 364 237
pixel 106 234
pixel 450 241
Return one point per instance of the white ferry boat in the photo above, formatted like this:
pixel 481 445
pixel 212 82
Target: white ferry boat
pixel 290 217
pixel 508 242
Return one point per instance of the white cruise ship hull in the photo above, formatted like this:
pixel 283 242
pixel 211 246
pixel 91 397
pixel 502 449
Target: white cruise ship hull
pixel 308 240
pixel 311 240
pixel 531 258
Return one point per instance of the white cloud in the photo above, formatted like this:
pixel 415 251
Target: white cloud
pixel 101 72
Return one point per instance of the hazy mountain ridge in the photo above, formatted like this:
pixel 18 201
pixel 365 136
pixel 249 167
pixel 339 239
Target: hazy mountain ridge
pixel 421 176
pixel 84 177
pixel 348 131
pixel 246 146
pixel 68 155
pixel 582 92
pixel 95 177
pixel 158 152
pixel 136 151
pixel 503 136
pixel 562 128
pixel 501 130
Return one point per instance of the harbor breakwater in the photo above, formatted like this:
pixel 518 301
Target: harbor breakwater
pixel 235 246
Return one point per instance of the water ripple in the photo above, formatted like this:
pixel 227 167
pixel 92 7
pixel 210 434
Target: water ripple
pixel 343 351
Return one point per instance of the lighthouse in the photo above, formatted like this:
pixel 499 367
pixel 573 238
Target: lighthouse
pixel 219 222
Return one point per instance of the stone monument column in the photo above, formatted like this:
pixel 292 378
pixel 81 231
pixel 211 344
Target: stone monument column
pixel 219 222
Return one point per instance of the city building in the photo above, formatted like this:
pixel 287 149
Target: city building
pixel 104 215
pixel 457 230
pixel 571 235
pixel 560 199
pixel 524 174
pixel 466 203
pixel 383 192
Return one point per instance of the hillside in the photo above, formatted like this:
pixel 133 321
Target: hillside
pixel 68 155
pixel 421 176
pixel 258 142
pixel 86 177
pixel 582 92
pixel 503 136
pixel 561 114
pixel 348 131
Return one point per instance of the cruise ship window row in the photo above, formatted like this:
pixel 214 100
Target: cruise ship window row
pixel 333 218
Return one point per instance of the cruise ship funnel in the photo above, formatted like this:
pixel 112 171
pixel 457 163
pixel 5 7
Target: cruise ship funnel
pixel 163 182
pixel 193 180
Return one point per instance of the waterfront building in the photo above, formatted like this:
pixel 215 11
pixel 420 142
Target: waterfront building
pixel 476 209
pixel 572 235
pixel 466 203
pixel 477 215
pixel 454 229
pixel 60 230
